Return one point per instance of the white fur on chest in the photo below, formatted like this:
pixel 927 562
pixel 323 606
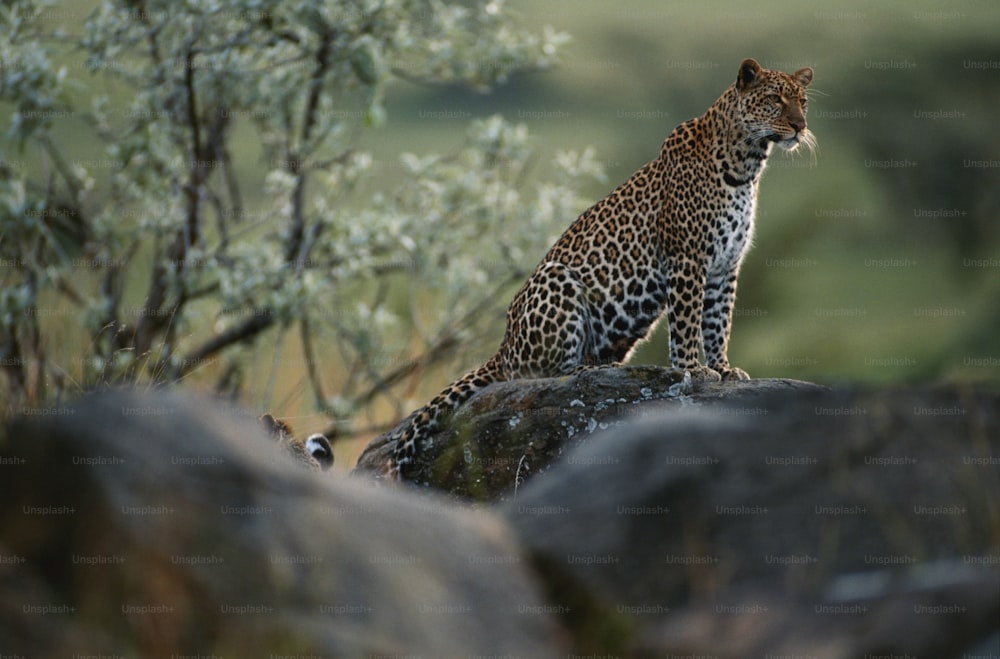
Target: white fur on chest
pixel 732 230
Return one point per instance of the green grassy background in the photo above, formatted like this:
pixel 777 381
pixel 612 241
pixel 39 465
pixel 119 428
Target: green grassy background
pixel 849 280
pixel 862 270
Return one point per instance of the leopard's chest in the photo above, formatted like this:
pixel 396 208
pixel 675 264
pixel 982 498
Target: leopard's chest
pixel 730 228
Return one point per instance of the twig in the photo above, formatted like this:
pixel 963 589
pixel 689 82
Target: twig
pixel 314 380
pixel 244 332
pixel 297 232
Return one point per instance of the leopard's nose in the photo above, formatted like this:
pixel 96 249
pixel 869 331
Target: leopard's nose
pixel 798 125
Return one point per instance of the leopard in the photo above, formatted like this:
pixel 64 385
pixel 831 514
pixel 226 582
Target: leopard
pixel 669 241
pixel 315 453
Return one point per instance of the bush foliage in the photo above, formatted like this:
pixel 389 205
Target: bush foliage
pixel 167 251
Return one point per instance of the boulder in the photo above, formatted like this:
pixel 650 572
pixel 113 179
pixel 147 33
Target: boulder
pixel 939 609
pixel 157 525
pixel 511 431
pixel 789 521
pixel 770 518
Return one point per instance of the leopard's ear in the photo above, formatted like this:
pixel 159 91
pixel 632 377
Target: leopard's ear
pixel 275 427
pixel 803 76
pixel 748 75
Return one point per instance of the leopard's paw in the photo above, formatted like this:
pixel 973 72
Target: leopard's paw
pixel 731 373
pixel 701 373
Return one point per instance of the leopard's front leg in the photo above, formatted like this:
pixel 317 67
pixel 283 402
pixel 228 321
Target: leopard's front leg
pixel 716 324
pixel 684 313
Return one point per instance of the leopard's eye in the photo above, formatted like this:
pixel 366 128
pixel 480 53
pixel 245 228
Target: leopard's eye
pixel 775 98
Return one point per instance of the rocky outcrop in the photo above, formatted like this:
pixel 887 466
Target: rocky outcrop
pixel 511 431
pixel 825 523
pixel 158 526
pixel 773 518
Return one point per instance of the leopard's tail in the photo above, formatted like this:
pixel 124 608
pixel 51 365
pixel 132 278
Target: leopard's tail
pixel 411 435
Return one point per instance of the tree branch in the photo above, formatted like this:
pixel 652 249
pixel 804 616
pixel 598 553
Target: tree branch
pixel 314 379
pixel 293 249
pixel 154 316
pixel 246 331
pixel 297 246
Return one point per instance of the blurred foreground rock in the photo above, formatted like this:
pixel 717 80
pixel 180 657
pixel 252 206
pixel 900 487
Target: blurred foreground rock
pixel 157 526
pixel 823 523
pixel 781 520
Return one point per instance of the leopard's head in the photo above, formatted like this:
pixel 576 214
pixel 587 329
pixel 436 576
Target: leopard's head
pixel 773 105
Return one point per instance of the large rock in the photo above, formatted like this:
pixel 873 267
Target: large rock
pixel 800 524
pixel 773 518
pixel 940 610
pixel 155 526
pixel 512 431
